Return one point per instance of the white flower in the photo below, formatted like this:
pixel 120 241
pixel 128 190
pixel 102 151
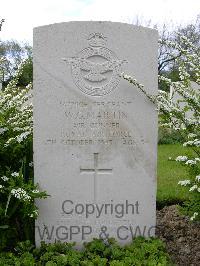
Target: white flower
pixel 191 135
pixel 1 186
pixel 197 143
pixel 21 137
pixel 2 130
pixel 198 189
pixel 8 142
pixel 20 193
pixel 194 142
pixel 4 178
pixel 190 162
pixel 15 174
pixel 184 182
pixel 181 158
pixel 31 164
pixel 197 159
pixel 126 76
pixel 193 188
pixel 194 216
pixel 34 213
pixel 36 191
pixel 198 178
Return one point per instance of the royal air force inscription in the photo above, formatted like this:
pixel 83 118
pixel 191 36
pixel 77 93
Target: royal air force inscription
pixel 94 153
pixel 96 72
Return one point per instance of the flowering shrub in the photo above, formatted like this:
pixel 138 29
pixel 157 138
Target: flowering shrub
pixel 16 111
pixel 17 189
pixel 15 124
pixel 174 115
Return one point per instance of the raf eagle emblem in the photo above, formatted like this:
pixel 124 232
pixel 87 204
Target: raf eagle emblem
pixel 90 66
pixel 95 70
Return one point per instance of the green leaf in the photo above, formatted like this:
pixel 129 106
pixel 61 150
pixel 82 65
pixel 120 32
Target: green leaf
pixel 4 226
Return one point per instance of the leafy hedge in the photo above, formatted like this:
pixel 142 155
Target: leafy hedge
pixel 140 252
pixel 169 136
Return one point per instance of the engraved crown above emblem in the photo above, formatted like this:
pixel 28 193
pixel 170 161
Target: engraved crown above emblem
pixel 96 69
pixel 96 39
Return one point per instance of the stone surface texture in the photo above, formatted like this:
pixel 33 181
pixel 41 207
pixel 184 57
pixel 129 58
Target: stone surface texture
pixel 95 135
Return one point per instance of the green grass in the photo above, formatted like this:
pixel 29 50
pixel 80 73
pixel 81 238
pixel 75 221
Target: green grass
pixel 169 173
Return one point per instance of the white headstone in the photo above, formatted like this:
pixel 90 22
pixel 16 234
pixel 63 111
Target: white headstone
pixel 95 135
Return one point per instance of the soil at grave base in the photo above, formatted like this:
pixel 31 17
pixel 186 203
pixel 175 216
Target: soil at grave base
pixel 182 237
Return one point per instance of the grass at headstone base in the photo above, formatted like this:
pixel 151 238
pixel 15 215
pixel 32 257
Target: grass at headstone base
pixel 169 173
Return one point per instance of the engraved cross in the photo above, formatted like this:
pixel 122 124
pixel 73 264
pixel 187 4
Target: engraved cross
pixel 95 171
